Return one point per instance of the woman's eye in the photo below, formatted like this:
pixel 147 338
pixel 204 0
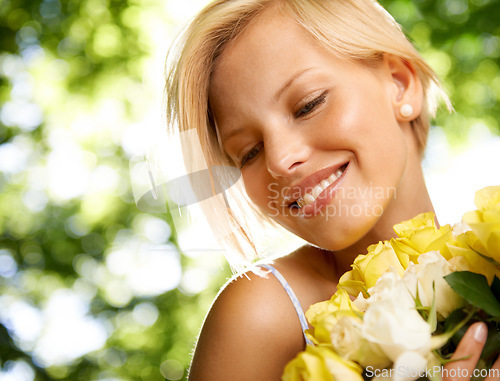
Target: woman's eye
pixel 306 109
pixel 251 154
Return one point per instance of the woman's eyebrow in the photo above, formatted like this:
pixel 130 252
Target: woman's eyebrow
pixel 288 83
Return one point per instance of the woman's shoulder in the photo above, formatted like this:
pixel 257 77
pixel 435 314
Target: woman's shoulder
pixel 253 326
pixel 256 298
pixel 260 298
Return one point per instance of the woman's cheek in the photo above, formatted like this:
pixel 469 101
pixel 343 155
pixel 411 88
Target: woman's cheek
pixel 258 190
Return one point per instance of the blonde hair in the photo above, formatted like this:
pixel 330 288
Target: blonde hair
pixel 359 30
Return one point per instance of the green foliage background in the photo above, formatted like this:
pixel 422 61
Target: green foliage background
pixel 72 74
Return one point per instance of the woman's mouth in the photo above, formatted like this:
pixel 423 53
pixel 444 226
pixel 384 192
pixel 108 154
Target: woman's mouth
pixel 316 196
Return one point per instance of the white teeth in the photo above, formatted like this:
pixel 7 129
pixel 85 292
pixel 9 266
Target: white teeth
pixel 309 198
pixel 316 191
pixel 332 178
pixel 324 184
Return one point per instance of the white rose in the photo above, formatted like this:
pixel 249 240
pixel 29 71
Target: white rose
pixel 409 366
pixel 460 228
pixel 382 289
pixel 431 268
pixel 392 321
pixel 347 339
pixel 361 302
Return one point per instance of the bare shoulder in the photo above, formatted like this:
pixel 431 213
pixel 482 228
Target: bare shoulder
pixel 251 332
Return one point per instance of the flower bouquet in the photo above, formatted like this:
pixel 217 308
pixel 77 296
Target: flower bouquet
pixel 402 309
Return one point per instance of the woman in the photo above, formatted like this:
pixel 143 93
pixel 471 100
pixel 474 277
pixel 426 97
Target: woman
pixel 324 107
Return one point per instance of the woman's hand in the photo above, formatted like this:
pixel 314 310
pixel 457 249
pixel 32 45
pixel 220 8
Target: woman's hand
pixel 470 348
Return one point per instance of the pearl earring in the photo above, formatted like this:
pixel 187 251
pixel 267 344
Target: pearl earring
pixel 406 110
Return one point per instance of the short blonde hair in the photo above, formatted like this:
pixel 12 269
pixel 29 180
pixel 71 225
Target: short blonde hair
pixel 360 30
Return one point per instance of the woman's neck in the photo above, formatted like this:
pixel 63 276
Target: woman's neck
pixel 411 199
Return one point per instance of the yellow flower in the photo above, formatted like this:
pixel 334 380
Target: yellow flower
pixel 416 236
pixel 488 199
pixel 465 256
pixel 420 222
pixel 380 257
pixel 324 315
pixel 352 283
pixel 367 268
pixel 421 235
pixel 485 222
pixel 323 364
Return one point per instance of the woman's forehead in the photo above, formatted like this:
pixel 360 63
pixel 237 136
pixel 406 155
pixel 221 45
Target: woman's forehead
pixel 260 34
pixel 268 49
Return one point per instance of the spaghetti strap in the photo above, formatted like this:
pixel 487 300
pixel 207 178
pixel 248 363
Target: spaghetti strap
pixel 293 299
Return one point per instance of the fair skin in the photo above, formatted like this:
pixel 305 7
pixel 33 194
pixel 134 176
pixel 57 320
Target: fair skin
pixel 289 113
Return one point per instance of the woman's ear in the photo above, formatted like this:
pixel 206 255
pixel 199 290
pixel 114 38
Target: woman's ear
pixel 407 92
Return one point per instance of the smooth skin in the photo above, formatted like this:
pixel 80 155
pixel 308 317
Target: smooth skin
pixel 285 109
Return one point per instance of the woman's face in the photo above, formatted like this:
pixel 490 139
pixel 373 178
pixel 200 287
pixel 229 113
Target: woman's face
pixel 305 125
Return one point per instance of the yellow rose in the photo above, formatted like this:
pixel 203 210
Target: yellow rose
pixel 416 236
pixel 488 199
pixel 324 315
pixel 367 268
pixel 421 235
pixel 485 222
pixel 464 251
pixel 420 222
pixel 352 283
pixel 321 363
pixel 380 257
pixel 405 252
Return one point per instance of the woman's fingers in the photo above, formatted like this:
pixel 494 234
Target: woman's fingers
pixel 469 349
pixel 494 372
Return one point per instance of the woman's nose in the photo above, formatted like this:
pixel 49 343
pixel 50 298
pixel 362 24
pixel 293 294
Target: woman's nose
pixel 285 152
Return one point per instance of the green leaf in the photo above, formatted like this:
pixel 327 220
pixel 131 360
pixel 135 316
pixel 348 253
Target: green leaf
pixel 454 319
pixel 474 289
pixel 432 320
pixel 454 328
pixel 495 287
pixel 492 346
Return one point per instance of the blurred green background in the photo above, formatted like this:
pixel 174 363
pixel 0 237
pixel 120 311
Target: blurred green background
pixel 91 288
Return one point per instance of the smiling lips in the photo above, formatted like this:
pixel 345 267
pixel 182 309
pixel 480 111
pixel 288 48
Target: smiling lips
pixel 309 198
pixel 312 195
